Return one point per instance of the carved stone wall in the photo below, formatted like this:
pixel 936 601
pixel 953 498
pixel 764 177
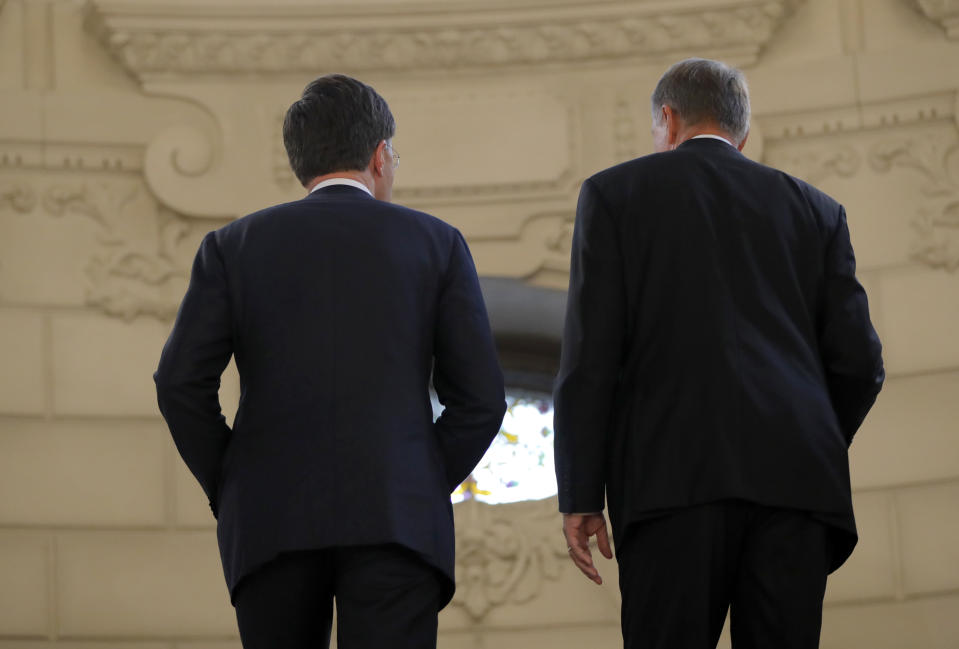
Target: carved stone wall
pixel 130 129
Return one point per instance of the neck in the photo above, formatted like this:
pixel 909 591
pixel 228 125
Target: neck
pixel 363 177
pixel 698 129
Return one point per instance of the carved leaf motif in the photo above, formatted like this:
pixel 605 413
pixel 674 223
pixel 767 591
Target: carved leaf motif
pixel 138 269
pixel 928 156
pixel 18 197
pixel 815 165
pixel 936 224
pixel 505 553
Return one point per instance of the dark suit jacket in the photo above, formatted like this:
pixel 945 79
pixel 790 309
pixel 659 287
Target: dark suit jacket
pixel 336 308
pixel 717 343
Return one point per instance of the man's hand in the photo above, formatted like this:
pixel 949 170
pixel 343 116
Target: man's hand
pixel 578 528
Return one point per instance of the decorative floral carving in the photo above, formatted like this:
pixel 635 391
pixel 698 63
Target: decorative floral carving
pixel 816 164
pixel 310 39
pixel 19 197
pixel 937 221
pixel 141 266
pixel 945 12
pixel 505 553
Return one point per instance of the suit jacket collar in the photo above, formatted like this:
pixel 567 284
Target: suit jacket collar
pixel 708 144
pixel 339 191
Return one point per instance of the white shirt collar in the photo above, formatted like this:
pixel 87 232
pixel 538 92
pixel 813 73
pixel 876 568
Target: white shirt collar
pixel 329 182
pixel 711 137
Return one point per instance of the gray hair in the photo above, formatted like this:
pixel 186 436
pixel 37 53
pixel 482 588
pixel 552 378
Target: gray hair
pixel 701 90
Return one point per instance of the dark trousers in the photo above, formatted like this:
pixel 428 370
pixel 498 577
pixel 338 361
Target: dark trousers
pixel 386 596
pixel 680 573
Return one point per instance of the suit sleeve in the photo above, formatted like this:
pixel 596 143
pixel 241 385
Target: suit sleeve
pixel 188 376
pixel 593 341
pixel 850 349
pixel 466 372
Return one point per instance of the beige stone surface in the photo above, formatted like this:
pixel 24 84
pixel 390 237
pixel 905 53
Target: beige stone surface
pixel 11 33
pixel 926 623
pixel 24 598
pixel 919 308
pixel 24 365
pixel 562 636
pixel 584 601
pixel 230 391
pixel 929 537
pixel 157 585
pixel 534 125
pixel 910 434
pixel 870 573
pixel 79 644
pixel 81 473
pixel 44 255
pixel 104 366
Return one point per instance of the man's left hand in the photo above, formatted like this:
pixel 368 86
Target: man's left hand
pixel 578 528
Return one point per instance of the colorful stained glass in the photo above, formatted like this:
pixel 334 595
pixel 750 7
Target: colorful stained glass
pixel 519 463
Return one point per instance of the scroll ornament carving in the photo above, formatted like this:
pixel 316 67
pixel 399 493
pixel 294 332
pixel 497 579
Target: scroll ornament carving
pixel 238 42
pixel 937 221
pixel 180 165
pixel 815 165
pixel 141 265
pixel 945 12
pixel 505 554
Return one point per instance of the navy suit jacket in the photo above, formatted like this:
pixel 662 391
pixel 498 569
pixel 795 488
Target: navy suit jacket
pixel 717 343
pixel 337 308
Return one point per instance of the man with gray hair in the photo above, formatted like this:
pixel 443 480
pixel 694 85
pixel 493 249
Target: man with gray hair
pixel 717 360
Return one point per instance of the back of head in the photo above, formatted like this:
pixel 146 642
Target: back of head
pixel 335 126
pixel 702 91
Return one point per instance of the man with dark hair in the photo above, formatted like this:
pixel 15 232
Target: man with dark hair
pixel 717 360
pixel 334 481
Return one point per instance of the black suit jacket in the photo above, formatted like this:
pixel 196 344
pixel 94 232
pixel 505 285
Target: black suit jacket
pixel 717 343
pixel 336 308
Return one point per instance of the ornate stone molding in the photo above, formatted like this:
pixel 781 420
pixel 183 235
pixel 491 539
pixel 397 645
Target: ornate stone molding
pixel 944 12
pixel 163 40
pixel 937 221
pixel 505 553
pixel 140 268
pixel 142 260
pixel 18 197
pixel 818 163
pixel 900 112
pixel 542 243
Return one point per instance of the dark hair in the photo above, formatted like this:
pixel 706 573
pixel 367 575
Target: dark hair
pixel 335 126
pixel 701 90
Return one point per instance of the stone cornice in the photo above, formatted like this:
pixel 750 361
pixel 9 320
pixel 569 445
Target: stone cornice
pixel 215 37
pixel 944 12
